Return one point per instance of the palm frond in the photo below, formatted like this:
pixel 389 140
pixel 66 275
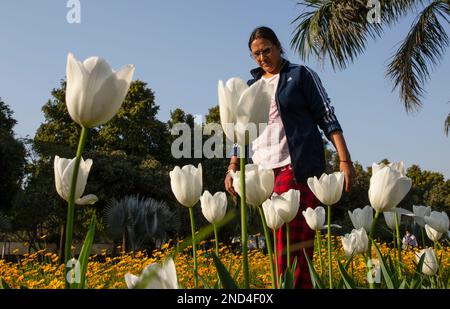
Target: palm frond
pixel 142 220
pixel 447 125
pixel 339 28
pixel 423 47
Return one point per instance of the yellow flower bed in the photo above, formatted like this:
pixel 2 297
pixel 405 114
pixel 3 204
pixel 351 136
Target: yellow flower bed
pixel 42 270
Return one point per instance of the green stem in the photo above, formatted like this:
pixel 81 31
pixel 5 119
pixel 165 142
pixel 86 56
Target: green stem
pixel 369 250
pixel 194 247
pixel 319 242
pixel 330 277
pixel 399 246
pixel 244 245
pixel 268 245
pixel 372 231
pixel 423 237
pixel 288 245
pixel 216 237
pixel 277 271
pixel 395 246
pixel 71 206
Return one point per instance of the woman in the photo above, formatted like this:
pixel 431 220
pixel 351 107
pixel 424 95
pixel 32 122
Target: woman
pixel 291 144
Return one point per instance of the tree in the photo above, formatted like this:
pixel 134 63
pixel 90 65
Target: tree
pixel 339 30
pixel 135 129
pixel 12 158
pixel 125 151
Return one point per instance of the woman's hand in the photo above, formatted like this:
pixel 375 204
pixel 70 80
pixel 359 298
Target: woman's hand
pixel 349 173
pixel 229 184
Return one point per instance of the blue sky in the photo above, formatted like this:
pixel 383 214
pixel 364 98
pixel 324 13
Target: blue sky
pixel 182 48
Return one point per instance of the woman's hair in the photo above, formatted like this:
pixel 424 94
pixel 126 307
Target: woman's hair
pixel 265 33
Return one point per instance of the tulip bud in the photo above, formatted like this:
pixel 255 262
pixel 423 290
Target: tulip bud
pixel 155 276
pixel 430 264
pixel 259 184
pixel 315 218
pixel 328 189
pixel 63 178
pixel 387 188
pixel 187 184
pixel 94 92
pixel 214 207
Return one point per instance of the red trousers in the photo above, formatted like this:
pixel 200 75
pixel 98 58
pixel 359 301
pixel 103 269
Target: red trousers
pixel 299 229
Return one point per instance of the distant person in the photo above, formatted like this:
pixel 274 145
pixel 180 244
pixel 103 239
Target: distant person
pixel 409 240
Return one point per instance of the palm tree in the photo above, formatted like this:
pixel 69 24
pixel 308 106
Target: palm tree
pixel 140 221
pixel 339 30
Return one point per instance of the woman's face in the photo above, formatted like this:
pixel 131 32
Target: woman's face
pixel 267 55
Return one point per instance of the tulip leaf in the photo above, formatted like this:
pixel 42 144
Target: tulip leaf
pixel 418 272
pixel 4 285
pixel 288 278
pixel 224 275
pixel 315 278
pixel 348 281
pixel 205 283
pixel 384 269
pixel 347 264
pixel 84 253
pixel 238 270
pixel 394 273
pixel 403 284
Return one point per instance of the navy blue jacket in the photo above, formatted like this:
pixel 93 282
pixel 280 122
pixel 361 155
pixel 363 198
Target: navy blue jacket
pixel 304 106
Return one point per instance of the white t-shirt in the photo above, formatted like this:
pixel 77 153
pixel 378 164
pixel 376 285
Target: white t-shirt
pixel 270 149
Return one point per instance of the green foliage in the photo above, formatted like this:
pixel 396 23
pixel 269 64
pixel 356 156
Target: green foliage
pixel 213 115
pixel 135 129
pixel 12 158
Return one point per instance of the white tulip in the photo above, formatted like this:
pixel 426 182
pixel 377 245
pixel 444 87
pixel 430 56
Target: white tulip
pixel 362 240
pixel 243 107
pixel 315 217
pixel 259 184
pixel 389 216
pixel 398 166
pixel 362 218
pixel 155 276
pixel 387 188
pixel 430 263
pixel 419 213
pixel 287 204
pixel 355 242
pixel 187 184
pixel 273 220
pixel 438 221
pixel 432 234
pixel 214 207
pixel 63 179
pixel 328 189
pixel 95 92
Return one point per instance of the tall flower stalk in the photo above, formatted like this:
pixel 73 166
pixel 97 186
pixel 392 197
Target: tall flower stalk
pixel 194 246
pixel 71 204
pixel 274 222
pixel 328 189
pixel 242 110
pixel 187 185
pixel 94 94
pixel 244 246
pixel 399 245
pixel 269 246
